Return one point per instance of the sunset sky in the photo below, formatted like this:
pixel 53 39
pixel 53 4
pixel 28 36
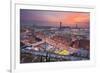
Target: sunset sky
pixel 52 18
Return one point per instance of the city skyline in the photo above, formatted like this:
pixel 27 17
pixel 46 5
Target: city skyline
pixel 51 36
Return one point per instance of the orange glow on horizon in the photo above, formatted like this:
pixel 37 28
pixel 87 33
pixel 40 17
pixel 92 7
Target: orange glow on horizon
pixel 71 18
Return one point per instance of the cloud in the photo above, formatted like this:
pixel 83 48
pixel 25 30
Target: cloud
pixel 66 17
